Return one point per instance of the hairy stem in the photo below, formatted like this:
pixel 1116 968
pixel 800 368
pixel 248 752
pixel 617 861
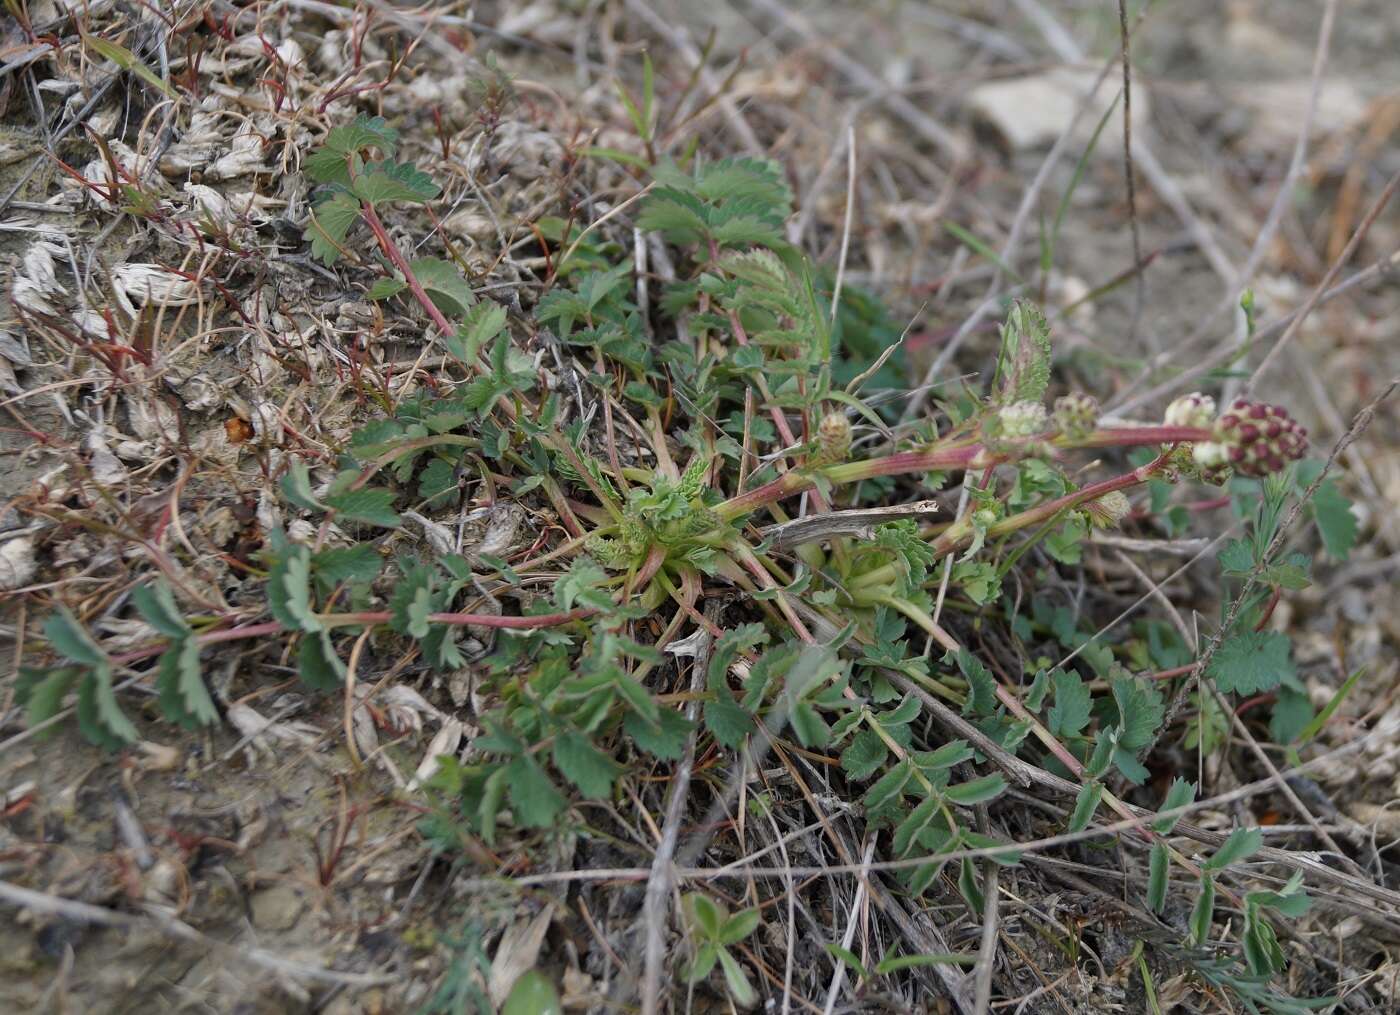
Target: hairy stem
pixel 395 256
pixel 953 457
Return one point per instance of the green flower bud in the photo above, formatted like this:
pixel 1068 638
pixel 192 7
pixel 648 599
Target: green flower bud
pixel 1108 511
pixel 833 439
pixel 1023 419
pixel 1194 409
pixel 1076 414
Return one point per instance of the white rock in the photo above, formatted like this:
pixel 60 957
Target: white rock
pixel 1276 109
pixel 17 563
pixel 1032 112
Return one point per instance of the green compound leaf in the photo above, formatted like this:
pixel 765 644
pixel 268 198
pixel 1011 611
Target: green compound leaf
pixel 865 755
pixel 976 791
pixel 156 603
pixel 481 323
pixel 811 729
pixel 100 718
pixel 889 786
pixel 1158 866
pixel 666 739
pixel 343 145
pixel 1179 794
pixel 439 478
pixel 1293 713
pixel 330 222
pixel 296 487
pixel 533 798
pixel 906 833
pixel 727 721
pixel 411 601
pixel 318 664
pixel 371 505
pixel 384 288
pixel 1242 844
pixel 582 585
pixel 1203 910
pixel 642 704
pixel 364 132
pixel 738 983
pixel 416 612
pixel 382 182
pixel 981 685
pixel 1331 511
pixel 359 564
pixel 41 693
pixel 588 768
pixel 443 283
pixel 1140 711
pixel 1251 662
pixel 1261 948
pixel 289 590
pixel 68 637
pixel 1085 804
pixel 184 700
pixel 1070 712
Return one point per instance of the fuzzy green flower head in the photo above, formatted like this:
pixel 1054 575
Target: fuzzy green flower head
pixel 1108 511
pixel 1076 414
pixel 833 438
pixel 1023 419
pixel 1259 439
pixel 1194 409
pixel 1210 454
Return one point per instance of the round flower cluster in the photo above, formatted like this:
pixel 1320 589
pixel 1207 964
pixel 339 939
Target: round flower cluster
pixel 1260 439
pixel 1076 414
pixel 1253 438
pixel 1023 419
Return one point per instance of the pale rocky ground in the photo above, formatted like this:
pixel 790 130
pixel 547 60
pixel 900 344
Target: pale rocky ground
pixel 287 859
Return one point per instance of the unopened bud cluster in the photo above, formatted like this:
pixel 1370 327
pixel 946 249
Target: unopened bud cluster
pixel 1076 414
pixel 1022 419
pixel 1260 439
pixel 1109 510
pixel 1194 409
pixel 833 439
pixel 1253 438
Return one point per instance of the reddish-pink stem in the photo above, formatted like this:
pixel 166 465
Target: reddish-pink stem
pixel 395 256
pixel 645 573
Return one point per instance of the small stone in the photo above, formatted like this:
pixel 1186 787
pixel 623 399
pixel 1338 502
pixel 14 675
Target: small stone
pixel 1033 111
pixel 277 908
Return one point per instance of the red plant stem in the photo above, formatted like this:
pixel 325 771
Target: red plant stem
pixel 1269 608
pixel 1044 512
pixel 645 573
pixel 465 619
pixel 966 456
pixel 795 482
pixel 246 631
pixel 395 256
pixel 1133 436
